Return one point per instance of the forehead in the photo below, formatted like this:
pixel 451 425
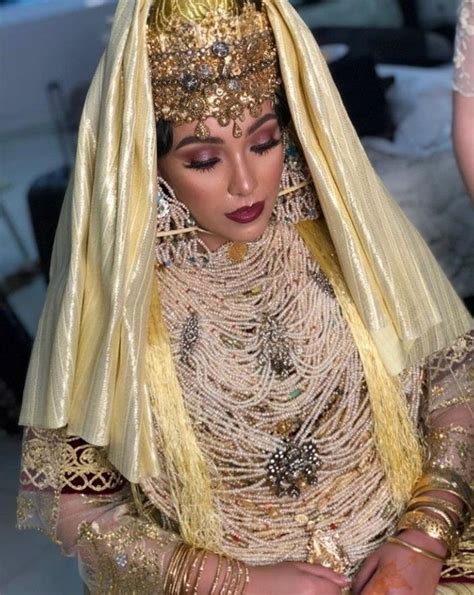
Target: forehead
pixel 216 130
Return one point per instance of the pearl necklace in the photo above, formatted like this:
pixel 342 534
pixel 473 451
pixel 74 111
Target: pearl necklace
pixel 267 364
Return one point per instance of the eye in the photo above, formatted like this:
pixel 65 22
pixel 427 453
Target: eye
pixel 266 147
pixel 206 165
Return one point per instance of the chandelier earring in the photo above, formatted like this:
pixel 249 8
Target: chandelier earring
pixel 297 199
pixel 176 233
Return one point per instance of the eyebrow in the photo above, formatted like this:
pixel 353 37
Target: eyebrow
pixel 215 140
pixel 260 122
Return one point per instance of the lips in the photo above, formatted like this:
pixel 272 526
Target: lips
pixel 247 214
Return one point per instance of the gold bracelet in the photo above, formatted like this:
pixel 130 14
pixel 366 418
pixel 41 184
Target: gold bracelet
pixel 173 568
pixel 191 573
pixel 240 574
pixel 434 528
pixel 186 559
pixel 442 504
pixel 200 571
pixel 233 584
pixel 446 481
pixel 442 488
pixel 438 514
pixel 188 566
pixel 217 576
pixel 227 578
pixel 415 548
pixel 180 575
pixel 246 579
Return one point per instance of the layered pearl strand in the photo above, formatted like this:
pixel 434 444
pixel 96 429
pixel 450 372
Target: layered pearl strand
pixel 266 359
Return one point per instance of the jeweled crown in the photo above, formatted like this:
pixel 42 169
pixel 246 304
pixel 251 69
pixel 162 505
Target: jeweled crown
pixel 210 58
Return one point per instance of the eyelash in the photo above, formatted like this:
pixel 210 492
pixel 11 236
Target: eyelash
pixel 258 149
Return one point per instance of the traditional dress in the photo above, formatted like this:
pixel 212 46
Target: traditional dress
pixel 279 402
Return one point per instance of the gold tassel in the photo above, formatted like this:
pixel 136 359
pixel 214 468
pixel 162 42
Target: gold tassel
pixel 397 442
pixel 186 466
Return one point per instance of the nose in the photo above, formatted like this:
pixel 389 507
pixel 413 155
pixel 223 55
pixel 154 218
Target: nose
pixel 242 181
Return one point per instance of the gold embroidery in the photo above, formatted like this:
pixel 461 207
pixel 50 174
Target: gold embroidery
pixel 128 560
pixel 451 448
pixel 87 467
pixel 24 509
pixel 52 459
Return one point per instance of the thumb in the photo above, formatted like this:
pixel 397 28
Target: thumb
pixel 326 573
pixel 365 574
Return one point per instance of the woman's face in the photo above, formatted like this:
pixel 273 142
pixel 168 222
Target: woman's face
pixel 229 184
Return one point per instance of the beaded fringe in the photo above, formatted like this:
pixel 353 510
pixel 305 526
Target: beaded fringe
pixel 397 442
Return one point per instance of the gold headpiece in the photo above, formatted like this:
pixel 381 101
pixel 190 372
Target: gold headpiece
pixel 210 58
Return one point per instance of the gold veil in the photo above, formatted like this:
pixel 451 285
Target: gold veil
pixel 87 367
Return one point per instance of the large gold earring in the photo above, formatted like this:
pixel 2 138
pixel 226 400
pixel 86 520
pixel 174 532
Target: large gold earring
pixel 176 234
pixel 297 199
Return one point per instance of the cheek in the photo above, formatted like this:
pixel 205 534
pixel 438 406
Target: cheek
pixel 201 192
pixel 272 170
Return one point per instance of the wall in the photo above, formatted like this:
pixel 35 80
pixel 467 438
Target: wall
pixel 61 40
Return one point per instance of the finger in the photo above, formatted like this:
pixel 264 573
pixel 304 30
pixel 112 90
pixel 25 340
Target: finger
pixel 324 572
pixel 364 575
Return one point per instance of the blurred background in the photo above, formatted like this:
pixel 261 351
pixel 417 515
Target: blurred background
pixel 392 63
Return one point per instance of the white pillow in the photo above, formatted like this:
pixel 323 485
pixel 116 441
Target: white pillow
pixel 433 13
pixel 352 13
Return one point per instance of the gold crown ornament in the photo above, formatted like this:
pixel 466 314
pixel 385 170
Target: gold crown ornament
pixel 210 58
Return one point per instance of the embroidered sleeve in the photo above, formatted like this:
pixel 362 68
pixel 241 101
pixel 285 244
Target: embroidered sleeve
pixel 464 50
pixel 450 429
pixel 450 423
pixel 69 490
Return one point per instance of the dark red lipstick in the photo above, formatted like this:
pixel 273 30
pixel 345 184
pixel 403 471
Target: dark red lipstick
pixel 247 214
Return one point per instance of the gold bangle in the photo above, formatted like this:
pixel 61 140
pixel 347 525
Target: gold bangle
pixel 242 579
pixel 188 565
pixel 179 578
pixel 200 571
pixel 172 573
pixel 234 583
pixel 432 527
pixel 442 479
pixel 217 576
pixel 438 514
pixel 442 504
pixel 415 548
pixel 443 488
pixel 227 578
pixel 246 579
pixel 171 566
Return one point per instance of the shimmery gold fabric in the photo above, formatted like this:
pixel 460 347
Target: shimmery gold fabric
pixel 455 589
pixel 87 365
pixel 86 369
pixel 400 291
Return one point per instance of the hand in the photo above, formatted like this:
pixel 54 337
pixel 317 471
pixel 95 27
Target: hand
pixel 395 570
pixel 295 578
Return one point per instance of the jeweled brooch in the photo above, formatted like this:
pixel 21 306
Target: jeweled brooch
pixel 293 468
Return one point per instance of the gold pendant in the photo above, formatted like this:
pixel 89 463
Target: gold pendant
pixel 237 252
pixel 324 549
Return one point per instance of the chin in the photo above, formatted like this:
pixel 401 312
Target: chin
pixel 251 233
pixel 235 232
